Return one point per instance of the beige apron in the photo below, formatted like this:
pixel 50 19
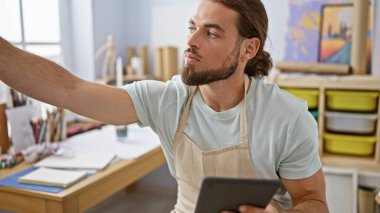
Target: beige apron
pixel 192 164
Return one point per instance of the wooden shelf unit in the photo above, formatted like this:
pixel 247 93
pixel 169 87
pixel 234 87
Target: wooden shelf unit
pixel 368 83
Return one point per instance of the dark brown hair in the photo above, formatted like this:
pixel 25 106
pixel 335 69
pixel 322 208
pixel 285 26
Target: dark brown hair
pixel 252 22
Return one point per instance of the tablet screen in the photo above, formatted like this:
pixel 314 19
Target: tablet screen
pixel 219 194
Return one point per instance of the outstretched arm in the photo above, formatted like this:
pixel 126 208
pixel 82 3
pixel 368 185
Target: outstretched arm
pixel 48 82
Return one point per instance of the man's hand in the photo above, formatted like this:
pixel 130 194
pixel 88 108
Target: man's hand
pixel 252 209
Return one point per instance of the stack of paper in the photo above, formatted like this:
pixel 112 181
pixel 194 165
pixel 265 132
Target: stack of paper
pixel 139 142
pixel 53 177
pixel 94 161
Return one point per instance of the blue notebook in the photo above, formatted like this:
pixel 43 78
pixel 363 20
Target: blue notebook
pixel 11 181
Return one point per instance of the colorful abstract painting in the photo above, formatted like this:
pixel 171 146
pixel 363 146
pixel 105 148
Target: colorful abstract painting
pixel 336 35
pixel 302 38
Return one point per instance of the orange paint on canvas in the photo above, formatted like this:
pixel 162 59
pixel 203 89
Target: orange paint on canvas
pixel 330 47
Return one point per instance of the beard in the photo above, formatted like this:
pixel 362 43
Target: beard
pixel 195 78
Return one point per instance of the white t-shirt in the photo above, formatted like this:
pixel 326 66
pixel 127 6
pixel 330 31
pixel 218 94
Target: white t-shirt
pixel 282 134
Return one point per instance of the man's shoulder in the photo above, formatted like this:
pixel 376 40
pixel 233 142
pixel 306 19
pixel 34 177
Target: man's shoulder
pixel 273 96
pixel 175 86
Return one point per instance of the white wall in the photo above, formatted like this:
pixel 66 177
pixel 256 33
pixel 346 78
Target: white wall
pixel 109 18
pixel 82 39
pixel 65 28
pixel 169 28
pixel 376 42
pixel 277 12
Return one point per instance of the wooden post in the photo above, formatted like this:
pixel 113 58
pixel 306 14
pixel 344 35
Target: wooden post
pixel 158 63
pixel 130 52
pixel 144 57
pixel 170 62
pixel 359 37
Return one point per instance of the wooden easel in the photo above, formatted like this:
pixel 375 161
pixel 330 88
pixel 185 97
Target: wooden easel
pixel 108 67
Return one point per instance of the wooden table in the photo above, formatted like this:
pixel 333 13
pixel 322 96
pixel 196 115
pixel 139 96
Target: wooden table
pixel 82 195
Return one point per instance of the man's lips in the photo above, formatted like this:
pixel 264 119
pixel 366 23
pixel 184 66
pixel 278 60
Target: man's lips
pixel 191 58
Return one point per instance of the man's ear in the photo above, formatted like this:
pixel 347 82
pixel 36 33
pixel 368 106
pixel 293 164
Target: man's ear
pixel 252 45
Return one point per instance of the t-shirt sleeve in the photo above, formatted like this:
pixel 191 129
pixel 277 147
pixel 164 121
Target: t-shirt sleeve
pixel 145 96
pixel 158 104
pixel 301 158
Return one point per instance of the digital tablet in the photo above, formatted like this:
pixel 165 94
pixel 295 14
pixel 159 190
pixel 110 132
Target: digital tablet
pixel 219 194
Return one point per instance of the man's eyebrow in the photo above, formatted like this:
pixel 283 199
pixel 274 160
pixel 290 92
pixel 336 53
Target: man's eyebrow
pixel 216 26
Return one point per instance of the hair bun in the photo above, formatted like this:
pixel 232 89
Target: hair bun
pixel 260 65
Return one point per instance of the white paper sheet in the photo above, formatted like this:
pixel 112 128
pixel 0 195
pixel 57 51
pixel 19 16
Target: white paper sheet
pixel 21 130
pixel 52 177
pixel 3 93
pixel 139 141
pixel 80 160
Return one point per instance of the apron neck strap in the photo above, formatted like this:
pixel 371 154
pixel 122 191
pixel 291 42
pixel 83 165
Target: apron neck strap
pixel 243 113
pixel 186 111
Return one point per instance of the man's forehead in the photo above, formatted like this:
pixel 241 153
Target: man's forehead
pixel 209 12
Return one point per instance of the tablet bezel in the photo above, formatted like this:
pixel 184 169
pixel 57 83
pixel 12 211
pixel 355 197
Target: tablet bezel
pixel 219 194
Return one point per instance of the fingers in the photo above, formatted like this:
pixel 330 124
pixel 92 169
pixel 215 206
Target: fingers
pixel 271 208
pixel 251 209
pixel 246 209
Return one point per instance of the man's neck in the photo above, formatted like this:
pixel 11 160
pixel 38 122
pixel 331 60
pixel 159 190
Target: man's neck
pixel 225 94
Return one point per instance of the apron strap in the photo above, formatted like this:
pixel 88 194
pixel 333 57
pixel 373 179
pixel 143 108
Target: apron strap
pixel 243 114
pixel 186 112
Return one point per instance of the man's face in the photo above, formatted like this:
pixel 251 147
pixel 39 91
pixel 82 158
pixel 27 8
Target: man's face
pixel 214 45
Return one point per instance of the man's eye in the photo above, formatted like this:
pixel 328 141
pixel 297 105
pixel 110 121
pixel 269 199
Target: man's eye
pixel 212 35
pixel 191 29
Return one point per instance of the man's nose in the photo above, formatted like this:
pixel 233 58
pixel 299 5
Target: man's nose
pixel 193 39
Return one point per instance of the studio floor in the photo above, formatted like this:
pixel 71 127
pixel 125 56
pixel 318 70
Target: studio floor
pixel 139 199
pixel 156 192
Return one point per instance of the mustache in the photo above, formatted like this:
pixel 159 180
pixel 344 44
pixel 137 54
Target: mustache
pixel 193 51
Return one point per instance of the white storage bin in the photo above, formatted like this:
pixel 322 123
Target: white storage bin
pixel 350 122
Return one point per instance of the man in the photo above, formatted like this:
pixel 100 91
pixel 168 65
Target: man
pixel 215 120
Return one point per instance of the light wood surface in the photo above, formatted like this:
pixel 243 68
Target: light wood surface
pixel 144 57
pixel 170 62
pixel 321 120
pixel 84 194
pixel 362 164
pixel 130 52
pixel 302 67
